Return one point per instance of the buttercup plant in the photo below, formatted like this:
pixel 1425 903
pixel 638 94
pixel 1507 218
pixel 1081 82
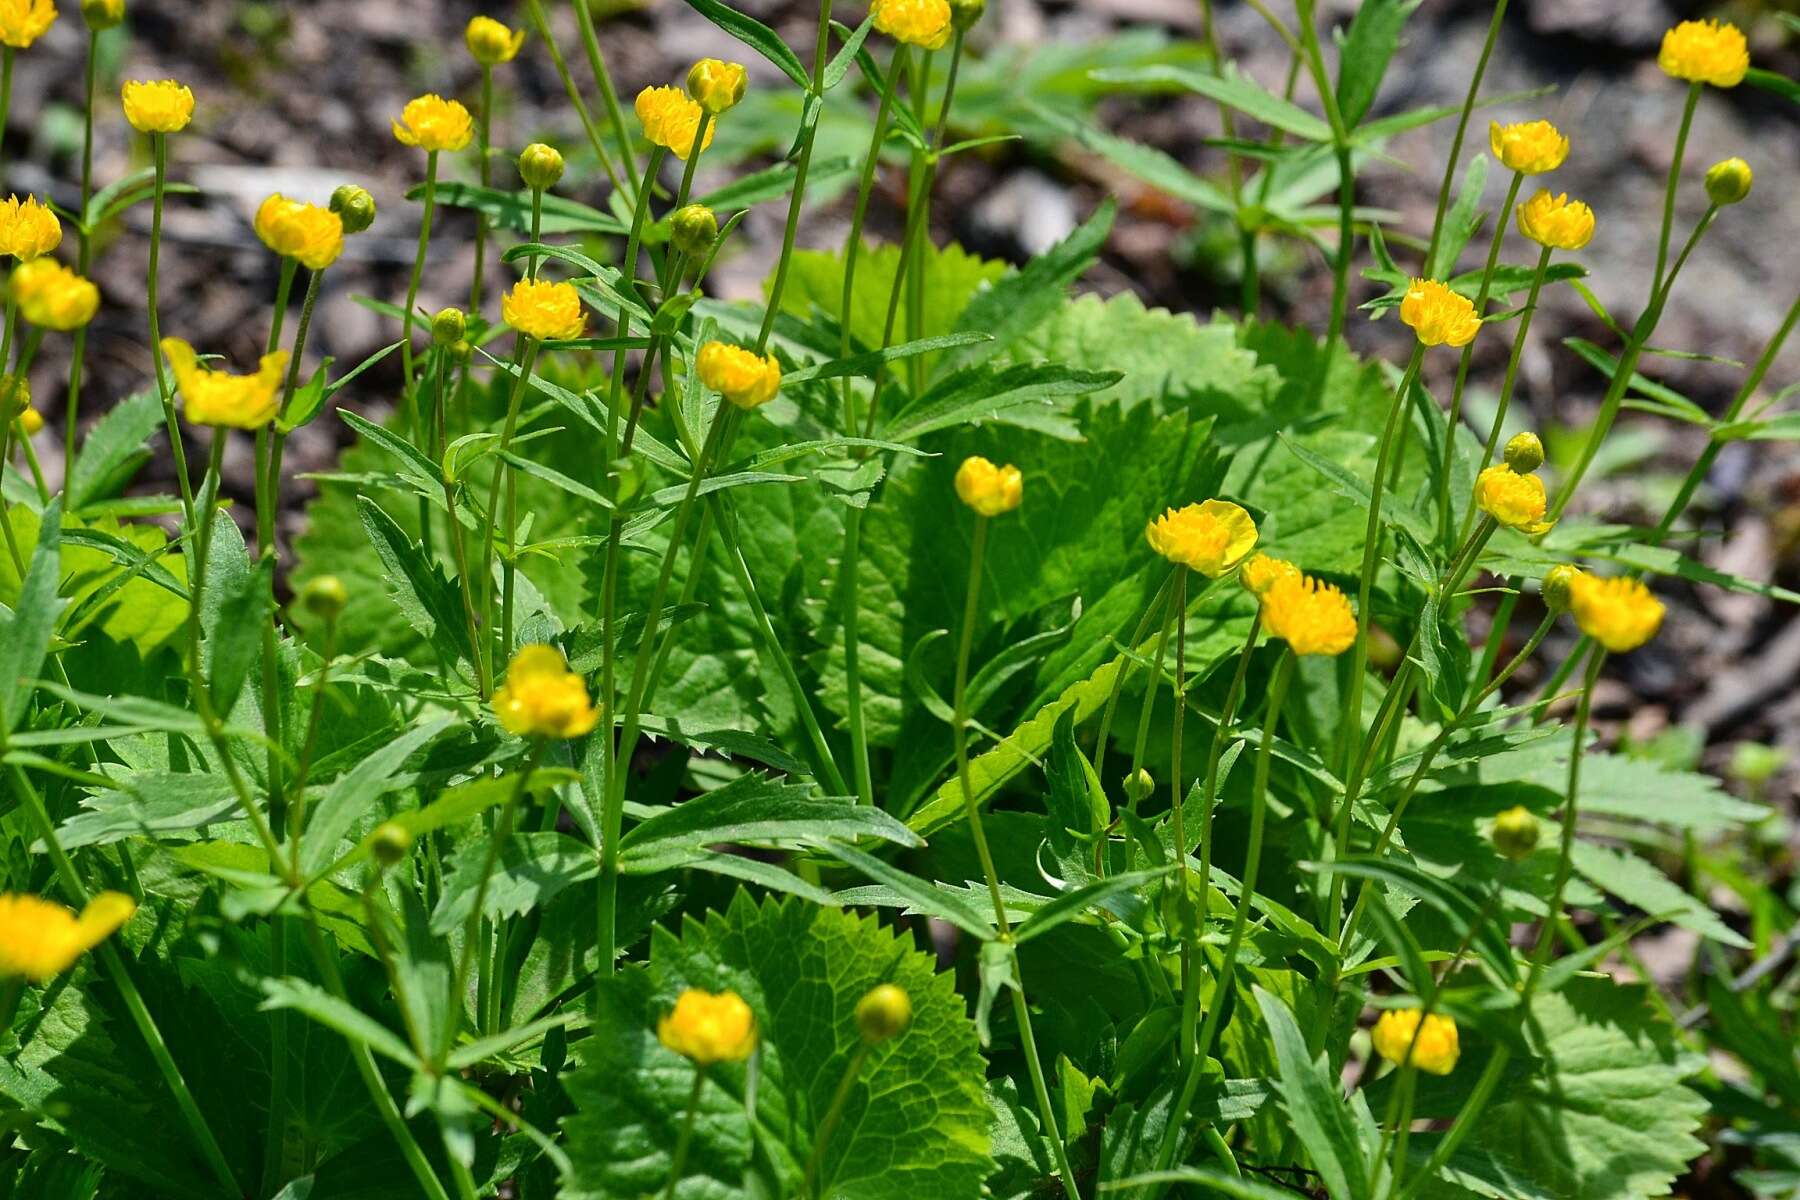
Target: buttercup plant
pixel 622 784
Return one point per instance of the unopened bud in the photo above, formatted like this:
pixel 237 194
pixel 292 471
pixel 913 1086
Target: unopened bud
pixel 1729 181
pixel 1525 453
pixel 102 14
pixel 1557 585
pixel 883 1013
pixel 324 596
pixel 354 207
pixel 965 13
pixel 716 85
pixel 15 398
pixel 448 327
pixel 693 230
pixel 461 350
pixel 540 166
pixel 1516 833
pixel 1138 785
pixel 391 843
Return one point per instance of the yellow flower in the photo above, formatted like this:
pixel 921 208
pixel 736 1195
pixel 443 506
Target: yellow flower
pixel 1516 501
pixel 1263 571
pixel 988 489
pixel 1619 613
pixel 1438 315
pixel 31 421
pixel 491 42
pixel 1212 537
pixel 1529 147
pixel 1556 221
pixel 52 296
pixel 542 697
pixel 716 85
pixel 543 310
pixel 709 1029
pixel 1705 52
pixel 1434 1048
pixel 211 397
pixel 40 939
pixel 312 235
pixel 742 376
pixel 158 106
pixel 671 118
pixel 28 228
pixel 924 23
pixel 23 22
pixel 1312 617
pixel 431 122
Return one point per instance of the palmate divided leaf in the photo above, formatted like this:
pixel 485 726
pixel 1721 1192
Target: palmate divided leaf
pixel 925 728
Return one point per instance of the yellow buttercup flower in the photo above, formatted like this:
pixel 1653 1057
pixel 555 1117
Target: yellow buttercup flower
pixel 988 489
pixel 157 106
pixel 542 697
pixel 491 42
pixel 1556 221
pixel 1438 315
pixel 745 378
pixel 1262 571
pixel 1434 1046
pixel 671 118
pixel 1211 537
pixel 211 397
pixel 543 310
pixel 1619 613
pixel 716 85
pixel 32 422
pixel 40 939
pixel 1312 617
pixel 23 22
pixel 1516 501
pixel 1705 52
pixel 923 23
pixel 431 122
pixel 1528 147
pixel 708 1028
pixel 51 296
pixel 28 229
pixel 311 235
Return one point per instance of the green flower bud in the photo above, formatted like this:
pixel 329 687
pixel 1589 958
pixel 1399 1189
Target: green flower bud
pixel 1729 181
pixel 1558 581
pixel 883 1013
pixel 102 14
pixel 15 397
pixel 324 596
pixel 461 350
pixel 1516 833
pixel 693 230
pixel 391 843
pixel 354 207
pixel 448 327
pixel 1138 785
pixel 965 13
pixel 540 166
pixel 1525 453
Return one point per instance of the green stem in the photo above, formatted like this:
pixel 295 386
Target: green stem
pixel 534 12
pixel 1674 184
pixel 1340 136
pixel 177 449
pixel 84 255
pixel 1540 957
pixel 484 171
pixel 412 286
pixel 527 356
pixel 1190 980
pixel 678 1160
pixel 821 45
pixel 833 1114
pixel 1125 664
pixel 1464 1123
pixel 590 42
pixel 1462 129
pixel 865 186
pixel 1144 712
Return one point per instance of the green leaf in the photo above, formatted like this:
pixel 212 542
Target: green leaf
pixel 1315 1104
pixel 1155 167
pixel 336 1014
pixel 1071 905
pixel 920 895
pixel 114 448
pixel 532 869
pixel 352 794
pixel 1366 51
pixel 428 600
pixel 914 1123
pixel 754 810
pixel 1772 81
pixel 168 807
pixel 1463 219
pixel 234 610
pixel 1230 88
pixel 978 394
pixel 25 631
pixel 512 210
pixel 1641 885
pixel 757 36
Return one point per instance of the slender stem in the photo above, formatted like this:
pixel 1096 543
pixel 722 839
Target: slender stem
pixel 484 171
pixel 865 186
pixel 527 356
pixel 678 1160
pixel 1156 669
pixel 1340 136
pixel 412 284
pixel 590 42
pixel 833 1114
pixel 1190 981
pixel 821 45
pixel 1456 143
pixel 1125 664
pixel 1540 957
pixel 534 12
pixel 1674 184
pixel 454 531
pixel 84 255
pixel 1464 1123
pixel 177 449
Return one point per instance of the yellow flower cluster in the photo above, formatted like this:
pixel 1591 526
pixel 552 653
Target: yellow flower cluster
pixel 433 123
pixel 671 118
pixel 1311 616
pixel 1556 221
pixel 1514 499
pixel 28 228
pixel 311 235
pixel 542 697
pixel 1263 571
pixel 1528 147
pixel 745 378
pixel 988 489
pixel 211 397
pixel 1619 613
pixel 40 939
pixel 23 22
pixel 1705 52
pixel 491 42
pixel 51 296
pixel 922 23
pixel 158 105
pixel 707 1028
pixel 1211 537
pixel 1434 1045
pixel 1439 316
pixel 543 310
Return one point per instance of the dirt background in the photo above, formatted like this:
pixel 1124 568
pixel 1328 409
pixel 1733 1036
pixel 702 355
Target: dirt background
pixel 297 97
